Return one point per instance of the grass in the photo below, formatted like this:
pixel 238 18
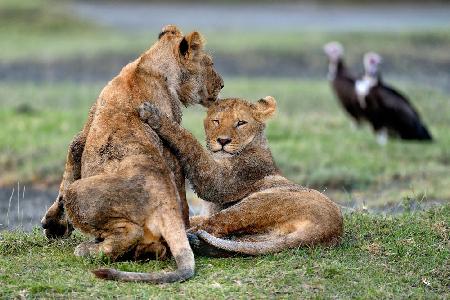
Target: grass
pixel 56 35
pixel 404 256
pixel 39 124
pixel 44 30
pixel 311 138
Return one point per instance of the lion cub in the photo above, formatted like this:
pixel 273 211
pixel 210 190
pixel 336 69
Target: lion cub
pixel 263 211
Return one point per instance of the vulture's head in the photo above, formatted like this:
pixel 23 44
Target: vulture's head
pixel 372 61
pixel 334 51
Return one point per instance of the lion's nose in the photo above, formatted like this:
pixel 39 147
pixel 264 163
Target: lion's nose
pixel 224 141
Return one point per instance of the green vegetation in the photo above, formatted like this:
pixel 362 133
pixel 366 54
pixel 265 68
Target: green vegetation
pixel 411 43
pixel 43 30
pixel 311 138
pixel 405 256
pixel 313 143
pixel 37 30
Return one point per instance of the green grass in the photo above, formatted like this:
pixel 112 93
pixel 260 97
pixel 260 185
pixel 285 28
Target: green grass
pixel 404 256
pixel 39 123
pixel 311 138
pixel 44 30
pixel 417 51
pixel 410 43
pixel 380 257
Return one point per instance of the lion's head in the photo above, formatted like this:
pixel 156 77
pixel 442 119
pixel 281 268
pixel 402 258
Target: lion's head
pixel 232 124
pixel 187 69
pixel 213 82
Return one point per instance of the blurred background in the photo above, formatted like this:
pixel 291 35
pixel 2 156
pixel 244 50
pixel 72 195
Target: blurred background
pixel 55 57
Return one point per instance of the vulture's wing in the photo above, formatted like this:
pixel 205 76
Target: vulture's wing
pixel 402 116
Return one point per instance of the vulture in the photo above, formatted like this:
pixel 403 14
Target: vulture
pixel 389 112
pixel 343 82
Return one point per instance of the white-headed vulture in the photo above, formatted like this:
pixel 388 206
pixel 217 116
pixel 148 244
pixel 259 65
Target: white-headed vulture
pixel 389 112
pixel 342 81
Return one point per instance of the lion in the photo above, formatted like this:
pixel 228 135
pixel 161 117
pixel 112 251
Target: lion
pixel 121 185
pixel 255 205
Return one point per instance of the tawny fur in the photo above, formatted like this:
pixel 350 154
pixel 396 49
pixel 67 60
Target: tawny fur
pixel 124 187
pixel 262 210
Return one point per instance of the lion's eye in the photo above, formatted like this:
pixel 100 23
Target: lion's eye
pixel 240 123
pixel 216 122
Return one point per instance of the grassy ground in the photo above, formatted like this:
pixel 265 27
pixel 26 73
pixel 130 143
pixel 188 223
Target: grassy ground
pixel 56 35
pixel 406 256
pixel 45 30
pixel 311 138
pixel 312 141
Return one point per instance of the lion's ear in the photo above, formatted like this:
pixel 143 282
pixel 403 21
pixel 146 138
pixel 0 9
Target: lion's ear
pixel 191 45
pixel 169 30
pixel 265 108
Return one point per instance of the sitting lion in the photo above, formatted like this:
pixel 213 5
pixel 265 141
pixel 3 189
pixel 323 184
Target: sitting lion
pixel 121 185
pixel 262 210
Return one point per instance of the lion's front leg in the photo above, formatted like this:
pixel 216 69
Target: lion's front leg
pixel 180 180
pixel 55 221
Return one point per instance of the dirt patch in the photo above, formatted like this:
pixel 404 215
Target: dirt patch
pixel 25 209
pixel 252 63
pixel 22 207
pixel 78 69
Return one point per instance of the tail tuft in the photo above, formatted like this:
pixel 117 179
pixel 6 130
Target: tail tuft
pixel 203 248
pixel 108 274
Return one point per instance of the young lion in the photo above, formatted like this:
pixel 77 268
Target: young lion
pixel 263 210
pixel 128 196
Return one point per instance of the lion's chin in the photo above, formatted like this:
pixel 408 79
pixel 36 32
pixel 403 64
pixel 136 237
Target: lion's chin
pixel 222 154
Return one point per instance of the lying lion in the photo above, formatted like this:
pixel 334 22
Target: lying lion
pixel 261 209
pixel 121 185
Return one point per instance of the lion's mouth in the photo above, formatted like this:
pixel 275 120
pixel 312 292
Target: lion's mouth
pixel 221 150
pixel 222 153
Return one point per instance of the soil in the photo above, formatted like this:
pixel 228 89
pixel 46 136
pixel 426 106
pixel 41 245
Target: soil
pixel 24 210
pixel 103 67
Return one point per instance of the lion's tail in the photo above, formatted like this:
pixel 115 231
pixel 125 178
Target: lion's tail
pixel 272 245
pixel 176 239
pixel 185 270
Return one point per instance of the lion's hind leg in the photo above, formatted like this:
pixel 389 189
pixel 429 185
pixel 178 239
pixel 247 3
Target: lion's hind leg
pixel 197 220
pixel 121 237
pixel 278 220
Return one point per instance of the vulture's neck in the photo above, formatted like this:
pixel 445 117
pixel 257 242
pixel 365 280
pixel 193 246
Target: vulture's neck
pixel 336 68
pixel 363 86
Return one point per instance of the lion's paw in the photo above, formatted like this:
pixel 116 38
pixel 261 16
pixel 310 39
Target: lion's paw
pixel 85 249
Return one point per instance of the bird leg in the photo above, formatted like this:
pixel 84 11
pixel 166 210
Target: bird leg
pixel 382 137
